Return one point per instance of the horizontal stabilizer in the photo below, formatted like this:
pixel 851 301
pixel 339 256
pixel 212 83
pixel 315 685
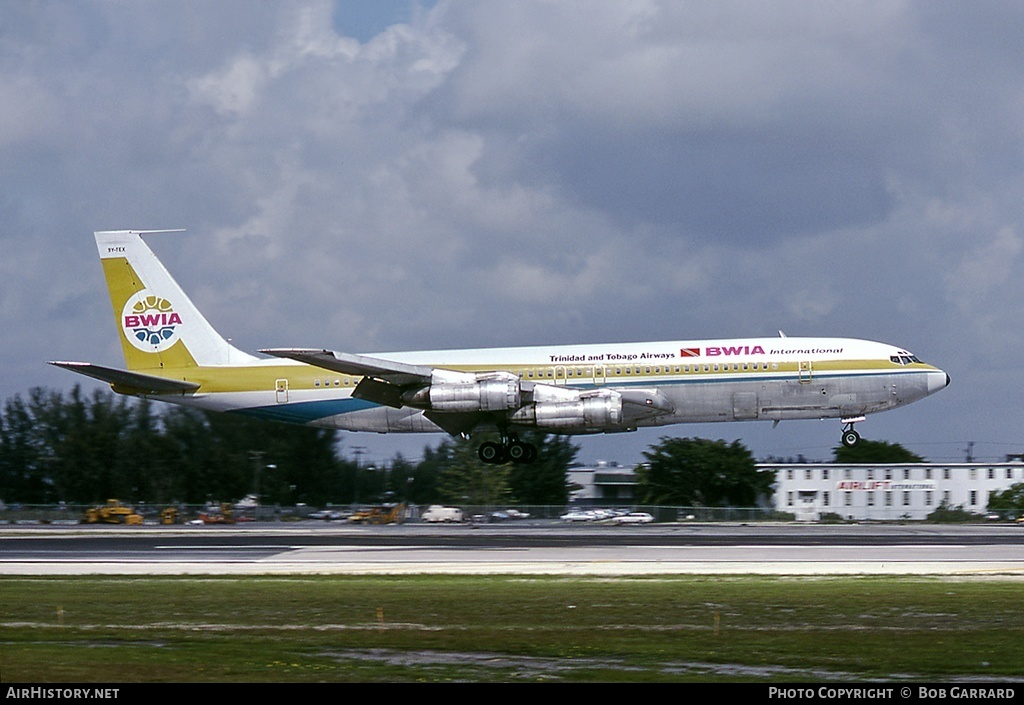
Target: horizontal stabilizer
pixel 360 365
pixel 140 383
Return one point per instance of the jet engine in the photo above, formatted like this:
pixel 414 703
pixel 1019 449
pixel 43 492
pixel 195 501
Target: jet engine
pixel 494 392
pixel 586 413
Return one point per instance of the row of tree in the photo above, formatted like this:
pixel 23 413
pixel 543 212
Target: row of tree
pixel 85 448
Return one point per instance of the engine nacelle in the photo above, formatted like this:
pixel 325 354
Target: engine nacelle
pixel 498 393
pixel 587 413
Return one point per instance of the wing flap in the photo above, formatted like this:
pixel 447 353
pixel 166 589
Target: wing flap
pixel 370 389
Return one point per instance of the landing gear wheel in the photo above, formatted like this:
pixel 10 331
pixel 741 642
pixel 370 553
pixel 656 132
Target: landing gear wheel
pixel 522 453
pixel 516 451
pixel 491 452
pixel 850 438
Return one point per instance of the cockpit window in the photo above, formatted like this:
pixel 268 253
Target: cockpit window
pixel 903 359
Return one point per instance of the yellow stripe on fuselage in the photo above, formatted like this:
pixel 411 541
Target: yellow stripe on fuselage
pixel 299 376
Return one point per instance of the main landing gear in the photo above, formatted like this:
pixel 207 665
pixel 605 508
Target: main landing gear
pixel 851 437
pixel 510 449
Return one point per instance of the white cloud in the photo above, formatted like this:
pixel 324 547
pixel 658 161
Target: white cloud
pixel 984 272
pixel 501 173
pixel 233 90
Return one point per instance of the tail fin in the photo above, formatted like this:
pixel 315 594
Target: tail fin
pixel 160 328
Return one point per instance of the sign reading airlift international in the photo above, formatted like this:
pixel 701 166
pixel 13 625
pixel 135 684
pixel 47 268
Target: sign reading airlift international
pixel 173 354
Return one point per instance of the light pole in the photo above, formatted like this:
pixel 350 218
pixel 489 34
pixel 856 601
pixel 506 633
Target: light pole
pixel 358 451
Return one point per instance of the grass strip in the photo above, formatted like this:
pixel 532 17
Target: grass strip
pixel 508 628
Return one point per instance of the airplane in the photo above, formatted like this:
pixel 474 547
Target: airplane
pixel 173 354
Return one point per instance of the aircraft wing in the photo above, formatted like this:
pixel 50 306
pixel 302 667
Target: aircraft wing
pixel 389 371
pixel 384 381
pixel 129 382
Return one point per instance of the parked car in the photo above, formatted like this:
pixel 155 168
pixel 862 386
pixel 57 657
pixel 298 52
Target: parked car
pixel 516 514
pixel 634 518
pixel 577 516
pixel 437 513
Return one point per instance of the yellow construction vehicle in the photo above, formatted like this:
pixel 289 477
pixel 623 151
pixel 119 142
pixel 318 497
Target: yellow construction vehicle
pixel 224 515
pixel 113 512
pixel 379 515
pixel 170 516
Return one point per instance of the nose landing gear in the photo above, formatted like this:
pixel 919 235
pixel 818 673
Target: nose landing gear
pixel 851 437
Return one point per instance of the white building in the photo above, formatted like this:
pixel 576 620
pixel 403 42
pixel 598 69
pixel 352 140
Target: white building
pixel 604 483
pixel 888 492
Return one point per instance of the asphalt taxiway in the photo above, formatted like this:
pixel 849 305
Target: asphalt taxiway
pixel 519 548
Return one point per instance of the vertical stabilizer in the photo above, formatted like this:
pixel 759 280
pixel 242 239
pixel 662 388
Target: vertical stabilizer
pixel 159 326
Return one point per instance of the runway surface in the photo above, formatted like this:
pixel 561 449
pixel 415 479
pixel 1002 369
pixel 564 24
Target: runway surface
pixel 520 548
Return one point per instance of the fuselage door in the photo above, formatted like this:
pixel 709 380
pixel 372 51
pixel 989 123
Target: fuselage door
pixel 281 387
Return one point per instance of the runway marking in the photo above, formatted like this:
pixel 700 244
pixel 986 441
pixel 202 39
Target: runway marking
pixel 228 547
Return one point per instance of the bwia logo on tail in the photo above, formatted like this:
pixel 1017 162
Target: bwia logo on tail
pixel 150 322
pixel 173 354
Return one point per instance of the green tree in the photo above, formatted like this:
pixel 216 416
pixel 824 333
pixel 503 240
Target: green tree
pixel 92 459
pixel 282 463
pixel 947 514
pixel 426 477
pixel 464 479
pixel 700 472
pixel 401 475
pixel 875 452
pixel 26 460
pixel 192 465
pixel 1009 502
pixel 546 480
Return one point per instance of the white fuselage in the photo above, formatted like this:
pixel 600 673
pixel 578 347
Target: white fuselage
pixel 702 381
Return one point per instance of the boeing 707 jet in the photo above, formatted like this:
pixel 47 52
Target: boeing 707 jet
pixel 173 354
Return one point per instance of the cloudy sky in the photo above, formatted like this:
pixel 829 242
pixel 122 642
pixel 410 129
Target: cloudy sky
pixel 375 176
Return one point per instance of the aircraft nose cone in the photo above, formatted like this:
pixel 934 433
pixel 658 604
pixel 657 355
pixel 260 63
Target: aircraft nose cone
pixel 937 380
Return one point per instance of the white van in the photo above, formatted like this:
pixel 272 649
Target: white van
pixel 436 513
